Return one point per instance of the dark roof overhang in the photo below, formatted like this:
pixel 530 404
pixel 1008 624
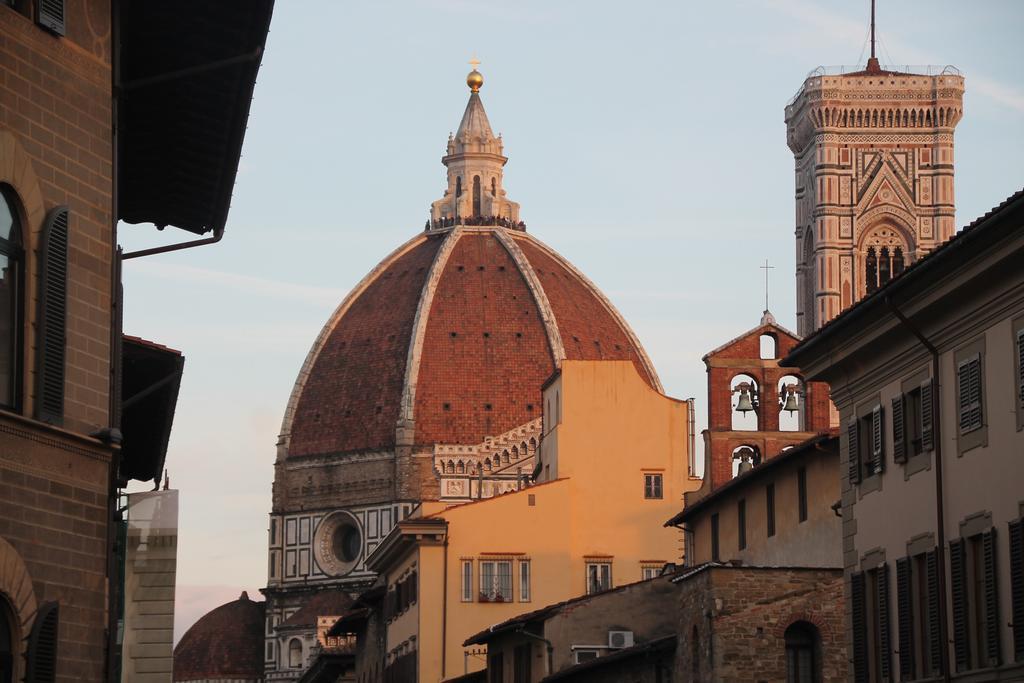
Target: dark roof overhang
pixel 150 378
pixel 184 73
pixel 825 442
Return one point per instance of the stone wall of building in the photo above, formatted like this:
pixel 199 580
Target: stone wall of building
pixel 740 615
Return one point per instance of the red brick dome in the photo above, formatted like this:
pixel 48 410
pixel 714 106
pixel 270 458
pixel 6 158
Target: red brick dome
pixel 225 644
pixel 450 338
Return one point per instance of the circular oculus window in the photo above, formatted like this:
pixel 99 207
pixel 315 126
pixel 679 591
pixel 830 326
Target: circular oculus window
pixel 338 543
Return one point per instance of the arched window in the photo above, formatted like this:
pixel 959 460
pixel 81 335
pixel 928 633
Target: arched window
pixel 494 187
pixel 803 664
pixel 458 186
pixel 768 346
pixel 884 257
pixel 460 468
pixel 476 195
pixel 295 653
pixel 7 643
pixel 11 279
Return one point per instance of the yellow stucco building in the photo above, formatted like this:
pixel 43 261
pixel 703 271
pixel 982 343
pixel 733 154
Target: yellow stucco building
pixel 612 466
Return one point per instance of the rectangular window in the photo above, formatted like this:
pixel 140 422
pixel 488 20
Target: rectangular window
pixel 652 486
pixel 769 499
pixel 1019 375
pixel 599 577
pixel 969 389
pixel 522 658
pixel 741 522
pixel 496 581
pixel 714 538
pixel 650 573
pixel 870 613
pixel 467 581
pixel 801 493
pixel 917 601
pixel 975 601
pixel 524 581
pixel 1016 530
pixel 580 656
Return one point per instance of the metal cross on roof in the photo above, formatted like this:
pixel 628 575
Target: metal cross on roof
pixel 766 268
pixel 474 62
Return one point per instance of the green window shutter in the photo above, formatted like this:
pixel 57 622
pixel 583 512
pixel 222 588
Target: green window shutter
pixel 991 598
pixel 884 632
pixel 927 434
pixel 853 443
pixel 860 628
pixel 41 655
pixel 899 432
pixel 1017 587
pixel 1020 371
pixel 905 607
pixel 877 443
pixel 958 587
pixel 51 344
pixel 969 394
pixel 50 15
pixel 934 629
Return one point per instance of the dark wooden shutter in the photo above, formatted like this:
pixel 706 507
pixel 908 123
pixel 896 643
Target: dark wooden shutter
pixel 905 608
pixel 853 443
pixel 969 394
pixel 992 649
pixel 860 628
pixel 958 587
pixel 927 436
pixel 934 628
pixel 52 325
pixel 50 15
pixel 884 633
pixel 413 587
pixel 877 450
pixel 1020 370
pixel 1017 587
pixel 41 655
pixel 899 432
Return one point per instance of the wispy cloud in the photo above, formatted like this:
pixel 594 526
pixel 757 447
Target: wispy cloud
pixel 250 284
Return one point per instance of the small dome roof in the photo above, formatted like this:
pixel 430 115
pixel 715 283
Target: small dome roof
pixel 226 643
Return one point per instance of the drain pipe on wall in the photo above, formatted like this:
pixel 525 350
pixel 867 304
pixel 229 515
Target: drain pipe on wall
pixel 550 662
pixel 691 427
pixel 940 517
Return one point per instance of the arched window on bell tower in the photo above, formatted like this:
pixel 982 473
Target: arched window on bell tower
pixel 884 257
pixel 476 195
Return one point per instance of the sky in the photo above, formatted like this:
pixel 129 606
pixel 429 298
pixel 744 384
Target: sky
pixel 646 144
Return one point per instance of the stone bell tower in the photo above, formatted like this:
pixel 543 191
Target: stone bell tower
pixel 474 160
pixel 874 178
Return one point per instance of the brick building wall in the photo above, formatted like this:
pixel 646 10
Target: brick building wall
pixel 56 149
pixel 740 616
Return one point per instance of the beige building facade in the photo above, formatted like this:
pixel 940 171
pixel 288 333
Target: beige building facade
pixel 928 376
pixel 873 152
pixel 612 467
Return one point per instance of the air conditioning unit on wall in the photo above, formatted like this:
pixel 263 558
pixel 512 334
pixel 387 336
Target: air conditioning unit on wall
pixel 620 639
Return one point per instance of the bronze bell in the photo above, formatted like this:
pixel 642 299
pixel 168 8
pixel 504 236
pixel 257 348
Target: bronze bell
pixel 744 404
pixel 791 405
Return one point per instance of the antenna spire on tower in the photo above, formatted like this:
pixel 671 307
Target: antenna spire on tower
pixel 766 268
pixel 873 65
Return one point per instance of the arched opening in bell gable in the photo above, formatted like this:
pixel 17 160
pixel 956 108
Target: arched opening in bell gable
pixel 745 402
pixel 745 458
pixel 769 346
pixel 791 404
pixel 476 196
